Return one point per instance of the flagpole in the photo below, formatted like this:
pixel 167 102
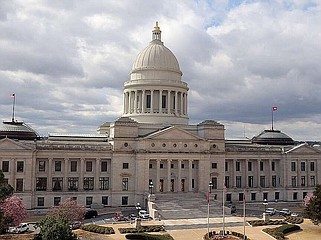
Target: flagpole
pixel 223 200
pixel 13 104
pixel 244 203
pixel 272 118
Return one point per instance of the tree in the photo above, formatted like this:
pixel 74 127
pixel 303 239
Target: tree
pixel 312 203
pixel 6 191
pixel 55 228
pixel 13 210
pixel 69 209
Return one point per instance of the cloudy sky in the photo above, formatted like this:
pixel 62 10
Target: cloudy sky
pixel 66 61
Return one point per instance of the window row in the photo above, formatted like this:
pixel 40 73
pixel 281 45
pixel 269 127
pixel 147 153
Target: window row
pixel 73 166
pixel 162 165
pixel 19 166
pixel 57 200
pixel 262 181
pixel 250 166
pixel 303 166
pixel 302 183
pixel 265 195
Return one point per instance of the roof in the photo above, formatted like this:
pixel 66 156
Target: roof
pixel 272 137
pixel 17 130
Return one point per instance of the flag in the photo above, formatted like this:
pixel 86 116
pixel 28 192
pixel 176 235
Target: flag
pixel 208 197
pixel 244 200
pixel 274 108
pixel 12 95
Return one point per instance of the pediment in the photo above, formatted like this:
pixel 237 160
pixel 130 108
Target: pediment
pixel 303 149
pixel 172 133
pixel 9 144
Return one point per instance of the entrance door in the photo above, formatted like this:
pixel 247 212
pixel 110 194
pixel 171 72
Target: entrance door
pixel 172 185
pixel 183 185
pixel 161 185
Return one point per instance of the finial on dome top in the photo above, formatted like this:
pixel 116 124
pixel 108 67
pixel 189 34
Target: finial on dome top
pixel 157 32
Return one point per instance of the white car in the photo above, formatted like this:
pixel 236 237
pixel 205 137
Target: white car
pixel 143 214
pixel 285 212
pixel 270 211
pixel 21 228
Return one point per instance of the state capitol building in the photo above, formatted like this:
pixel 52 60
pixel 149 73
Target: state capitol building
pixel 152 147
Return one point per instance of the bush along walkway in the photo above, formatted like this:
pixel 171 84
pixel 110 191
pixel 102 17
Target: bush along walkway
pixel 279 232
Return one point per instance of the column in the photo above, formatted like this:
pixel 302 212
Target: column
pixel 169 102
pixel 160 101
pixel 129 102
pixel 233 182
pixel 65 180
pixel 143 101
pixel 258 173
pixel 268 182
pixel 97 174
pixel 12 170
pixel 190 175
pixel 179 175
pixel 49 182
pixel 182 112
pixel 125 102
pixel 151 101
pixel 135 101
pixel 81 177
pixel 246 176
pixel 157 176
pixel 176 108
pixel 185 103
pixel 168 175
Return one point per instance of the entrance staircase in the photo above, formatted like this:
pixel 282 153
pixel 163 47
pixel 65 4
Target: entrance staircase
pixel 185 206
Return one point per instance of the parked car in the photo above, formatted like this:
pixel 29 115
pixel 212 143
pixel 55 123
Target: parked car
pixel 90 213
pixel 270 211
pixel 285 212
pixel 143 214
pixel 21 228
pixel 120 217
pixel 75 225
pixel 132 216
pixel 293 214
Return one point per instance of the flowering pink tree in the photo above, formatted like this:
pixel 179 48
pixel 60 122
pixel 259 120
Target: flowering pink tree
pixel 313 205
pixel 69 209
pixel 307 199
pixel 13 210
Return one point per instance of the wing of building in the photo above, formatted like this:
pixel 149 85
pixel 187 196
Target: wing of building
pixel 153 142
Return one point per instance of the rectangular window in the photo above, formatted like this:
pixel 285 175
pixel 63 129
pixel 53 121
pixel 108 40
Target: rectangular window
pixel 214 182
pixel 276 195
pixel 40 201
pixel 229 197
pixel 265 195
pixel 125 184
pixel 57 166
pixel 238 166
pixel 312 166
pixel 214 165
pixel 262 181
pixel 304 194
pixel 274 181
pixel 193 183
pixel 19 185
pixel 57 183
pixel 161 165
pixel 238 181
pixel 103 166
pixel 250 181
pixel 172 165
pixel 302 181
pixel 104 183
pixel 124 200
pixel 273 166
pixel 148 101
pixel 261 166
pixel 42 166
pixel 73 184
pixel 293 181
pixel 88 183
pixel 89 201
pixel 293 166
pixel 73 166
pixel 41 184
pixel 295 196
pixel 57 201
pixel 163 101
pixel 193 165
pixel 226 166
pixel 5 166
pixel 249 166
pixel 253 196
pixel 227 181
pixel 89 166
pixel 20 165
pixel 312 181
pixel 104 200
pixel 182 165
pixel 302 166
pixel 150 165
pixel 125 165
pixel 241 197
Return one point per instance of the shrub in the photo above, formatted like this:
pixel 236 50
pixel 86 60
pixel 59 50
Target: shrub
pixel 98 229
pixel 294 220
pixel 256 223
pixel 154 228
pixel 278 233
pixel 146 236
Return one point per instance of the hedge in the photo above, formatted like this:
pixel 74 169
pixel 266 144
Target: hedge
pixel 294 220
pixel 279 232
pixel 152 228
pixel 256 223
pixel 146 236
pixel 98 229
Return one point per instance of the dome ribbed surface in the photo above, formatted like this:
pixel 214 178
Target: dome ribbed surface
pixel 17 130
pixel 157 57
pixel 272 137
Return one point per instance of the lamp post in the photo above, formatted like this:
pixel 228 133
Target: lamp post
pixel 265 203
pixel 151 186
pixel 210 185
pixel 138 208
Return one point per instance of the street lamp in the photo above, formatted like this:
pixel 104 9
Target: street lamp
pixel 210 185
pixel 265 203
pixel 138 208
pixel 151 186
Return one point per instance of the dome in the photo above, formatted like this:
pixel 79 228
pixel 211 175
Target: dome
pixel 272 137
pixel 17 130
pixel 156 56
